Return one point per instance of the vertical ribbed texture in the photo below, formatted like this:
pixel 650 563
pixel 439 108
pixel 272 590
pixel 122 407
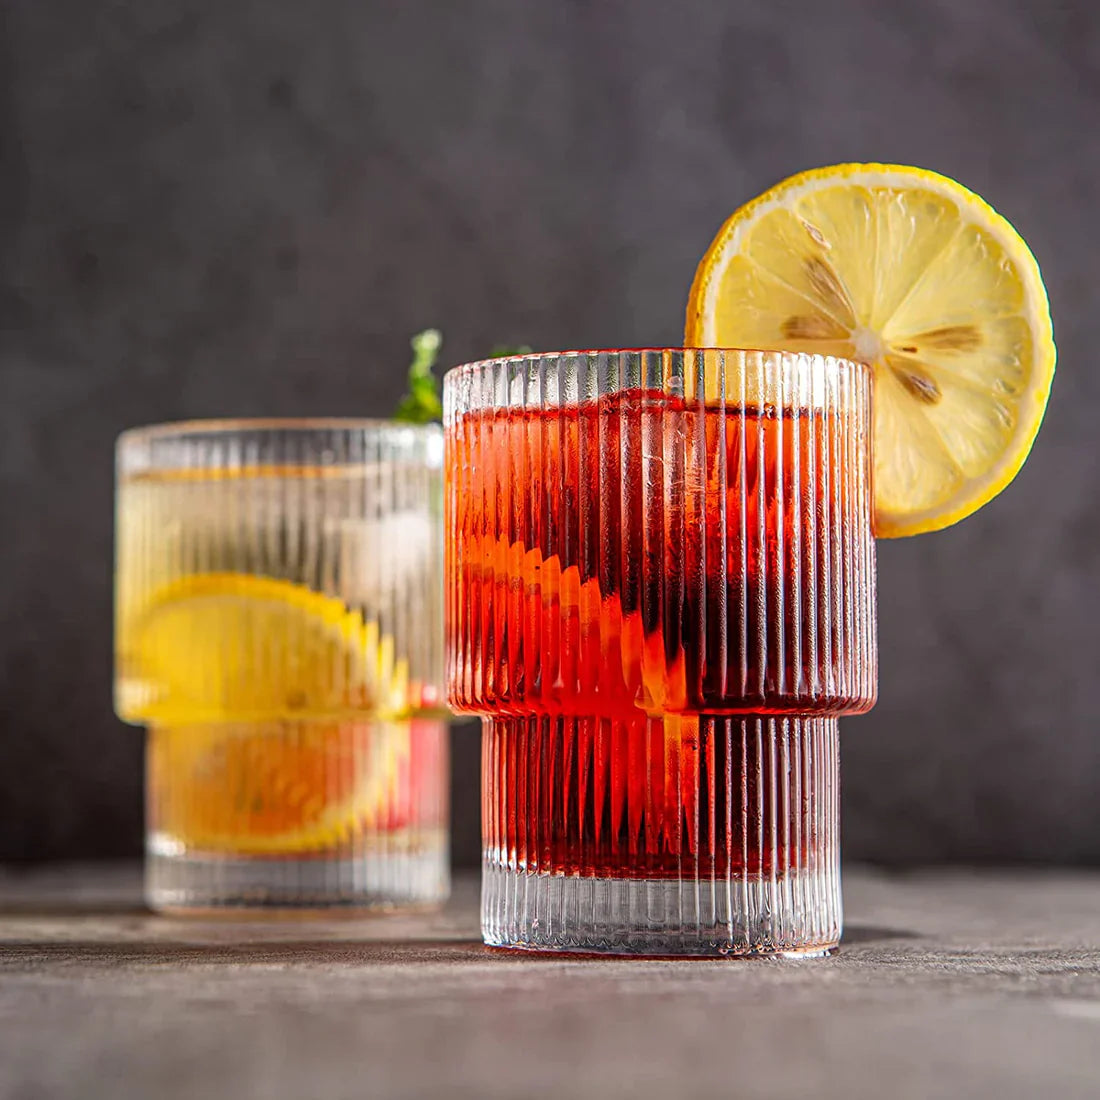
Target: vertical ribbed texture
pixel 660 578
pixel 279 630
pixel 734 852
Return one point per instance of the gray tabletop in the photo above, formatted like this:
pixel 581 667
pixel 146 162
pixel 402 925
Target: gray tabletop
pixel 948 985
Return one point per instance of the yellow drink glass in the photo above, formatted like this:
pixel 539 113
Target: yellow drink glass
pixel 279 634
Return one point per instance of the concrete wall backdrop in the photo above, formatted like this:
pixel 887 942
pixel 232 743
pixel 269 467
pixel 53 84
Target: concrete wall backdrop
pixel 235 207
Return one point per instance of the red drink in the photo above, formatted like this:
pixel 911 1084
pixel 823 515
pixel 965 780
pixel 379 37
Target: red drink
pixel 660 606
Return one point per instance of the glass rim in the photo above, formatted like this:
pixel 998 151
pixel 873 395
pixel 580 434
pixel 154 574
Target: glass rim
pixel 182 428
pixel 475 365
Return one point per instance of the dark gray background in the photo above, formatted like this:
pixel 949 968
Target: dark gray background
pixel 234 207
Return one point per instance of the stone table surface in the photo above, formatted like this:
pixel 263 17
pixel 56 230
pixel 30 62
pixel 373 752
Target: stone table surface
pixel 948 984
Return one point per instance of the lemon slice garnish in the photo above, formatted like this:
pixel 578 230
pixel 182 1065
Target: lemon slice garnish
pixel 911 272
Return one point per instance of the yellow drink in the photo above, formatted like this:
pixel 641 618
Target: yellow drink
pixel 278 630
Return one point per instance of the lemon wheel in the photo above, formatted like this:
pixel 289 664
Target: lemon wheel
pixel 233 647
pixel 278 788
pixel 276 715
pixel 911 272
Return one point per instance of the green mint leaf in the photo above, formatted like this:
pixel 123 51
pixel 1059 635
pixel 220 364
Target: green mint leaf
pixel 422 405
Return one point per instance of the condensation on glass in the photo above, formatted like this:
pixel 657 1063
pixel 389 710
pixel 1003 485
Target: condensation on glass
pixel 279 633
pixel 660 597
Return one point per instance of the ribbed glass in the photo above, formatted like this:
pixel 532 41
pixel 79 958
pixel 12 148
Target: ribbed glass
pixel 279 632
pixel 660 596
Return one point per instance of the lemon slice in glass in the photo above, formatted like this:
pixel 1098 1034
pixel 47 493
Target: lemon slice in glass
pixel 911 272
pixel 279 789
pixel 269 704
pixel 233 647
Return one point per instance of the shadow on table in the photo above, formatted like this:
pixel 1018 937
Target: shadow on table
pixel 247 945
pixel 857 935
pixel 35 908
pixel 302 952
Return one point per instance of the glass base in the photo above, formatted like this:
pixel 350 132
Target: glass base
pixel 375 882
pixel 703 835
pixel 795 917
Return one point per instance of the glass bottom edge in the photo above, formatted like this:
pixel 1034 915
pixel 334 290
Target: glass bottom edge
pixel 196 884
pixel 797 916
